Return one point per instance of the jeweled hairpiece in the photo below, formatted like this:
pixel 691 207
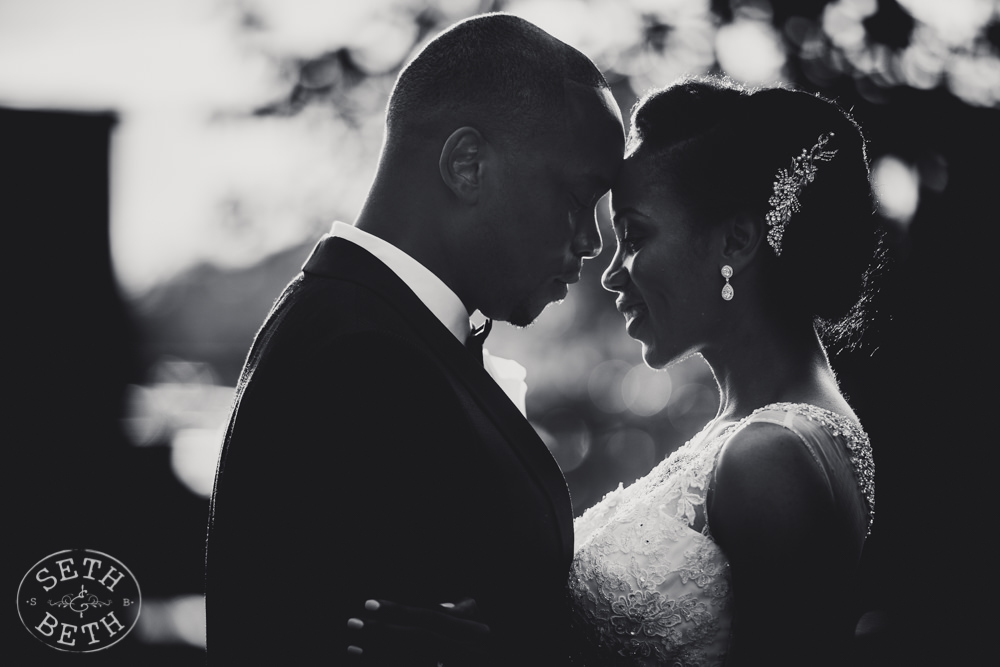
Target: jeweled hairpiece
pixel 788 186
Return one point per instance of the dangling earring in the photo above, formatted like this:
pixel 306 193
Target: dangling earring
pixel 727 289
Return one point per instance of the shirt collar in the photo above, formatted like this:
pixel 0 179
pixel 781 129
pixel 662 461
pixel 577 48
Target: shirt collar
pixel 431 290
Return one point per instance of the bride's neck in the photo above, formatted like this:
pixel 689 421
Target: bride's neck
pixel 758 366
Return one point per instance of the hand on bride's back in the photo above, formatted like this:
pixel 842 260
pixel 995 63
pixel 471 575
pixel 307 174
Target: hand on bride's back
pixel 389 633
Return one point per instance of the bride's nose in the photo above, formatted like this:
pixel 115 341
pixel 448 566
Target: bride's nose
pixel 616 275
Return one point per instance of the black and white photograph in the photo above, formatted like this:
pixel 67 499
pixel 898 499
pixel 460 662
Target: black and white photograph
pixel 499 333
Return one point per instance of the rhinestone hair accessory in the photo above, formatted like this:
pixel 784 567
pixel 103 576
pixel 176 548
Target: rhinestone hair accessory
pixel 788 184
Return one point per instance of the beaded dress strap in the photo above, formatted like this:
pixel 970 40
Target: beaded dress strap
pixel 854 436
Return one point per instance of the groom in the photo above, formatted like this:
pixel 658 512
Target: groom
pixel 370 454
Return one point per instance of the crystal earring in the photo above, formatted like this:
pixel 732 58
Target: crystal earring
pixel 727 289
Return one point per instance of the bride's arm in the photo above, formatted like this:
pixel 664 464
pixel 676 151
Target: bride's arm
pixel 772 513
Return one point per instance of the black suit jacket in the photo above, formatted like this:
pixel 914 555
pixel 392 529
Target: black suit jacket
pixel 369 455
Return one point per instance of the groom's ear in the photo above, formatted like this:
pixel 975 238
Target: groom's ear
pixel 463 163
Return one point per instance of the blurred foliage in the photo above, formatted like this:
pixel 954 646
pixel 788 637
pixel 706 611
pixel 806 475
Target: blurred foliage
pixel 900 67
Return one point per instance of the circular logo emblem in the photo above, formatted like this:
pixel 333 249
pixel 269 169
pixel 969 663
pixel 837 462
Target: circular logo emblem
pixel 79 600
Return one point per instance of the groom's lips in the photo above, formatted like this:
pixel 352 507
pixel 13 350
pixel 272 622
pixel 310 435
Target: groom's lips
pixel 571 276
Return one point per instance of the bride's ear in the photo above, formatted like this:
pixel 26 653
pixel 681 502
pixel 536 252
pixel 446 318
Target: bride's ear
pixel 462 164
pixel 743 236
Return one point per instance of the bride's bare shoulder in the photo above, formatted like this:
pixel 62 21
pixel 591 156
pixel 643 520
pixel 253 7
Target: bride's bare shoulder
pixel 767 487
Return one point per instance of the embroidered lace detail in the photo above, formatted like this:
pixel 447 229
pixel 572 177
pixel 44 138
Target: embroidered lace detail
pixel 648 584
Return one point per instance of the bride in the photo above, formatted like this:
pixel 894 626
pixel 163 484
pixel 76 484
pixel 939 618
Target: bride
pixel 744 221
pixel 744 231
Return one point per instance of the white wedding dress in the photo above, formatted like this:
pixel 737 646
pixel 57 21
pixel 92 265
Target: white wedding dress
pixel 648 585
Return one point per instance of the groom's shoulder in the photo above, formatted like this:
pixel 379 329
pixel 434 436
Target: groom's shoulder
pixel 344 329
pixel 347 329
pixel 322 308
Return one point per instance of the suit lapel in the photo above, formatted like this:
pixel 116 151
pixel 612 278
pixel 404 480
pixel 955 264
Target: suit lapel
pixel 343 260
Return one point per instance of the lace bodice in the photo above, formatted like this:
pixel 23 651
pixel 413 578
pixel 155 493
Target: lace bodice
pixel 648 584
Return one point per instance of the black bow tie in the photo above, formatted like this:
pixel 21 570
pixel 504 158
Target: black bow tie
pixel 477 337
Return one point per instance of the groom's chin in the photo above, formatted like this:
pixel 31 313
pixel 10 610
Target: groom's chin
pixel 521 318
pixel 526 312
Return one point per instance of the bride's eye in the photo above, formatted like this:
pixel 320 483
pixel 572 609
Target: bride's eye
pixel 631 242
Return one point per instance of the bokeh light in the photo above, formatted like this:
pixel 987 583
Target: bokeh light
pixel 182 408
pixel 646 391
pixel 750 51
pixel 194 453
pixel 601 28
pixel 634 452
pixel 842 21
pixel 605 385
pixel 172 621
pixel 693 406
pixel 567 436
pixel 956 22
pixel 896 186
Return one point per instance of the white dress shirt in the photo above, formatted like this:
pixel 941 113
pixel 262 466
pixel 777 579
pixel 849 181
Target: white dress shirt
pixel 440 300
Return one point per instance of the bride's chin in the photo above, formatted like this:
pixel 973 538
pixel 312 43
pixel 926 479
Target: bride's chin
pixel 650 356
pixel 657 359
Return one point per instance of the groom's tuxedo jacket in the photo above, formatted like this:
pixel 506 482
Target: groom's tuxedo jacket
pixel 369 455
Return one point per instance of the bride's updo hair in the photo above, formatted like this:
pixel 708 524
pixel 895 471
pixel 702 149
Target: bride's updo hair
pixel 723 145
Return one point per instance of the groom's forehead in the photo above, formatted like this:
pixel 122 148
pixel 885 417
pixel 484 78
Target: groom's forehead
pixel 590 106
pixel 592 122
pixel 594 133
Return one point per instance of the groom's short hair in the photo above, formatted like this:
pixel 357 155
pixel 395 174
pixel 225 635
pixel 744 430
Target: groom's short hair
pixel 495 72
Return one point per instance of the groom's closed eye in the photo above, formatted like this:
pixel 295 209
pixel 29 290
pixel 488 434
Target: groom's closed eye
pixel 576 203
pixel 591 189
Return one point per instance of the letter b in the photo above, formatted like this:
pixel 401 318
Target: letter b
pixel 49 622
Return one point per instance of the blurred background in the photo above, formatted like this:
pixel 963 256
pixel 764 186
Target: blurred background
pixel 166 166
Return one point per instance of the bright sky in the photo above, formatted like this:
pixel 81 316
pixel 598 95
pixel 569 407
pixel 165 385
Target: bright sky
pixel 193 178
pixel 196 179
pixel 186 187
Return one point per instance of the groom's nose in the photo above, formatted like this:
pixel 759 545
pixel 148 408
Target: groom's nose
pixel 587 239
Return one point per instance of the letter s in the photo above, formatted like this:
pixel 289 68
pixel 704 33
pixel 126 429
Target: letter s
pixel 41 580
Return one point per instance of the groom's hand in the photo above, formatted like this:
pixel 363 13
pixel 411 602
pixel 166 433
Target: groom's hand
pixel 389 633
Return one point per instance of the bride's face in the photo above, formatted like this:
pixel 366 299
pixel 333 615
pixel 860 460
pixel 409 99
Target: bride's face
pixel 667 279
